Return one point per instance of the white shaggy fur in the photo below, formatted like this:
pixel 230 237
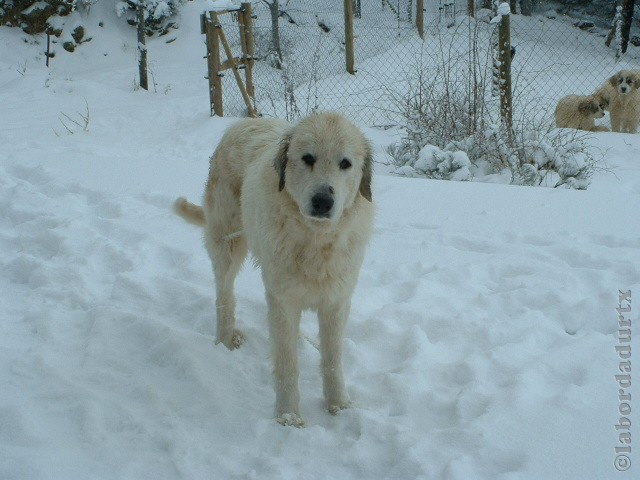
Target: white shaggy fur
pixel 624 100
pixel 299 197
pixel 579 112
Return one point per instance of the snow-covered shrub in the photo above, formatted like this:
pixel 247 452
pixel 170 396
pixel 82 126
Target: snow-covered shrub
pixel 264 49
pixel 434 162
pixel 157 14
pixel 444 98
pixel 535 154
pixel 554 157
pixel 59 18
pixel 33 16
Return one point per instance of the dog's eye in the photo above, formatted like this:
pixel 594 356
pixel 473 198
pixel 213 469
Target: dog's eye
pixel 344 164
pixel 309 159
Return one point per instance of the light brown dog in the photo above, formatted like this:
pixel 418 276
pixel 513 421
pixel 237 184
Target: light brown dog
pixel 299 197
pixel 624 100
pixel 579 112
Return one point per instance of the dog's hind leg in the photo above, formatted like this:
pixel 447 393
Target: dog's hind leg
pixel 227 248
pixel 228 257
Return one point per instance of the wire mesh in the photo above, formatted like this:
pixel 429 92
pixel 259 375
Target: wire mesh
pixel 554 55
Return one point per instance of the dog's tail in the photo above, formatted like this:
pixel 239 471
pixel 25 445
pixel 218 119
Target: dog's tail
pixel 191 212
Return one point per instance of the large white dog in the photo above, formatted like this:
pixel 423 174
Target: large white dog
pixel 299 197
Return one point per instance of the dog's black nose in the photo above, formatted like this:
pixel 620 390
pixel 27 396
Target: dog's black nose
pixel 321 203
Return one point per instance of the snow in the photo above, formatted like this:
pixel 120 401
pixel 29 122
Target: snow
pixel 217 5
pixel 502 10
pixel 481 343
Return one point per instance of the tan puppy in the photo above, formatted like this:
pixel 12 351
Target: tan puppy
pixel 579 112
pixel 299 197
pixel 624 100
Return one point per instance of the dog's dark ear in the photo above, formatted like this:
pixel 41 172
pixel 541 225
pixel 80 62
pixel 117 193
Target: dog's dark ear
pixel 613 81
pixel 367 167
pixel 280 162
pixel 585 107
pixel 603 100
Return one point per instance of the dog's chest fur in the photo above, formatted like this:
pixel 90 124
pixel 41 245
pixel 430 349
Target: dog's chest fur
pixel 322 265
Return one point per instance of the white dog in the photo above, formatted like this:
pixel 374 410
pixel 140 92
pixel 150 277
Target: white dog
pixel 299 197
pixel 624 100
pixel 579 112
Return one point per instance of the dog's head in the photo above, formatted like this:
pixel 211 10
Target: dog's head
pixel 324 163
pixel 593 106
pixel 625 81
pixel 603 100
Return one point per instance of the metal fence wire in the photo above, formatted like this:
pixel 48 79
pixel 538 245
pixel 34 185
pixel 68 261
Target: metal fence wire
pixel 553 55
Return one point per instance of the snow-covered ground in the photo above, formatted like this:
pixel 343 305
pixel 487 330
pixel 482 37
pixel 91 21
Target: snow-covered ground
pixel 482 338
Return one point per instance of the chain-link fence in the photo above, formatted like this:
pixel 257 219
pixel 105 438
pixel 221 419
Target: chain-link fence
pixel 553 55
pixel 559 55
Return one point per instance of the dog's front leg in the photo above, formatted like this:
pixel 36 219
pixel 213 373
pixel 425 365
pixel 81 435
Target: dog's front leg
pixel 614 118
pixel 332 319
pixel 284 327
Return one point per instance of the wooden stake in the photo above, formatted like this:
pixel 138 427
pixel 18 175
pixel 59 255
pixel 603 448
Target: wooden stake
pixel 504 56
pixel 234 69
pixel 142 48
pixel 213 64
pixel 48 47
pixel 348 36
pixel 246 33
pixel 420 17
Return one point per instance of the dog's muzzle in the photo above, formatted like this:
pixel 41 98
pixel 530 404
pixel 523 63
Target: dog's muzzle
pixel 322 203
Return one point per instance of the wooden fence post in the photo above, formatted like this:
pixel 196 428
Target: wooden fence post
pixel 213 64
pixel 48 54
pixel 420 17
pixel 247 35
pixel 348 36
pixel 142 48
pixel 234 67
pixel 504 57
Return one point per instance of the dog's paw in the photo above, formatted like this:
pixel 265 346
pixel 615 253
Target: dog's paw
pixel 234 341
pixel 334 408
pixel 237 339
pixel 290 420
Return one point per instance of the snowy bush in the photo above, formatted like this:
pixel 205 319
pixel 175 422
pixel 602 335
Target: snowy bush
pixel 265 50
pixel 38 16
pixel 34 16
pixel 555 157
pixel 55 17
pixel 434 162
pixel 157 14
pixel 535 154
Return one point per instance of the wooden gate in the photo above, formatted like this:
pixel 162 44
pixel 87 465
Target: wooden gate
pixel 212 28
